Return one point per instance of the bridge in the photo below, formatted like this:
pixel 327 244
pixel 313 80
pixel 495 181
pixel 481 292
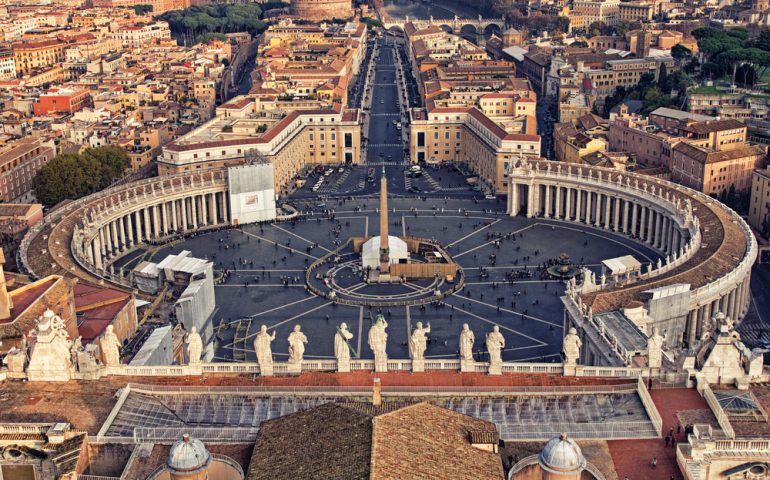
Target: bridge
pixel 454 25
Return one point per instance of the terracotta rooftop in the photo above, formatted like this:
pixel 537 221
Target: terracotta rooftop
pixel 341 441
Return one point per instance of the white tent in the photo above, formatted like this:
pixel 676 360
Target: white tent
pixel 370 253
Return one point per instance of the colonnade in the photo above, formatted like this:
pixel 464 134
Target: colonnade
pixel 156 220
pixel 653 211
pixel 637 218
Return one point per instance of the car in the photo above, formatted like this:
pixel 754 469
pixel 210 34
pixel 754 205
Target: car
pixel 415 168
pixel 476 188
pixel 341 169
pixel 328 172
pixel 490 197
pixel 321 205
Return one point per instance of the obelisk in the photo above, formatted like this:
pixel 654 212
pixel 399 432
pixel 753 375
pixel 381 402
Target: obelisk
pixel 384 248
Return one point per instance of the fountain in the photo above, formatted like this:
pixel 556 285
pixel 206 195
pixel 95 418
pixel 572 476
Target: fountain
pixel 563 270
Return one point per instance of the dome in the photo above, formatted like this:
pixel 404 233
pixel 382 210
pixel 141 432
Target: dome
pixel 188 455
pixel 562 455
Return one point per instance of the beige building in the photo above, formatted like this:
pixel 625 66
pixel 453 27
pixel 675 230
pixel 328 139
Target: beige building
pixel 19 162
pixel 303 137
pixel 33 55
pixel 607 11
pixel 467 135
pixel 635 12
pixel 759 205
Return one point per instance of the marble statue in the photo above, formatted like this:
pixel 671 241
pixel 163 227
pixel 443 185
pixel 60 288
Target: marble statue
pixel 378 341
pixel 495 345
pixel 50 357
pixel 194 346
pixel 110 345
pixel 341 339
pixel 418 343
pixel 263 350
pixel 655 349
pixel 297 341
pixel 571 349
pixel 466 343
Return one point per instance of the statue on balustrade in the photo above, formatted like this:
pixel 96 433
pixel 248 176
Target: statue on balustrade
pixel 495 345
pixel 297 341
pixel 194 346
pixel 110 345
pixel 655 349
pixel 418 343
pixel 263 350
pixel 378 339
pixel 571 348
pixel 466 343
pixel 341 347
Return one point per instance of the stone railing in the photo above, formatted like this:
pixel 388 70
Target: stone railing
pixel 724 421
pixel 28 428
pixel 330 365
pixel 649 405
pixel 97 477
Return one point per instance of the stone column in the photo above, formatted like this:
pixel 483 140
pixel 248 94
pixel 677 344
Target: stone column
pixel 108 237
pixel 139 231
pixel 130 228
pixel 156 220
pixel 531 200
pixel 98 251
pixel 174 222
pixel 194 212
pixel 115 247
pixel 732 302
pixel 558 210
pixel 204 210
pixel 547 213
pixel 598 213
pixel 568 212
pixel 184 214
pixel 578 206
pixel 147 224
pixel 650 220
pixel 588 207
pixel 642 223
pixel 658 240
pixel 692 325
pixel 515 200
pixel 633 219
pixel 625 216
pixel 213 204
pixel 122 231
pixel 616 215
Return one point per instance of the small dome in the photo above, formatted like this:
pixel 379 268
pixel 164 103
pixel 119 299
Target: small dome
pixel 188 455
pixel 562 455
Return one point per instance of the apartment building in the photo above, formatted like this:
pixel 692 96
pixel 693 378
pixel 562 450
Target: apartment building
pixel 636 11
pixel 7 65
pixel 62 100
pixel 19 162
pixel 133 36
pixel 33 55
pixel 607 11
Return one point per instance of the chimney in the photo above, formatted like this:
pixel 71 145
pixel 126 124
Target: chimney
pixel 376 395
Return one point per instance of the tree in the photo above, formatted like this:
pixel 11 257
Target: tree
pixel 664 82
pixel 75 176
pixel 681 53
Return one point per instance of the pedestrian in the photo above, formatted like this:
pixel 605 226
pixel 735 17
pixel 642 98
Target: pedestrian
pixel 678 429
pixel 654 462
pixel 667 440
pixel 673 442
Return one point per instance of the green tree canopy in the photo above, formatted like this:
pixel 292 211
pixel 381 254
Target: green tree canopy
pixel 75 176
